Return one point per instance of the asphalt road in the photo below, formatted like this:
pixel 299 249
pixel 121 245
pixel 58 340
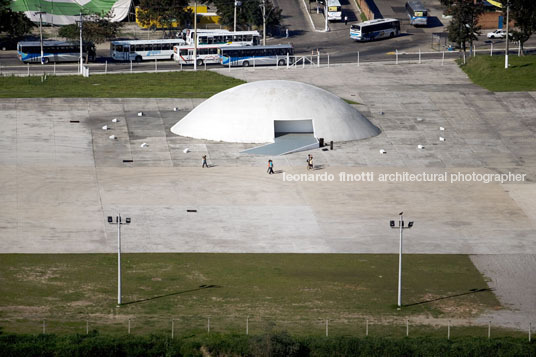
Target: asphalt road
pixel 306 40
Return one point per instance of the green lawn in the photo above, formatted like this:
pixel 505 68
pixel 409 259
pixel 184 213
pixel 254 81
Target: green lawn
pixel 489 72
pixel 287 291
pixel 201 84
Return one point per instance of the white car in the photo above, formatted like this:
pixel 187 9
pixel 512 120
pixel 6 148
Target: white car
pixel 498 34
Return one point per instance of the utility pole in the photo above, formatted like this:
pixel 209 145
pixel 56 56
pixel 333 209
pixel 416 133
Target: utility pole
pixel 264 22
pixel 236 3
pixel 401 228
pixel 41 35
pixel 119 222
pixel 507 35
pixel 81 47
pixel 326 28
pixel 195 36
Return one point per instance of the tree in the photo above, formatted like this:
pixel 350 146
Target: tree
pixel 523 12
pixel 95 29
pixel 464 26
pixel 248 15
pixel 15 24
pixel 165 12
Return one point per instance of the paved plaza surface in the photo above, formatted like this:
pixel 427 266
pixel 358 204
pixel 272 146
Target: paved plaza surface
pixel 62 176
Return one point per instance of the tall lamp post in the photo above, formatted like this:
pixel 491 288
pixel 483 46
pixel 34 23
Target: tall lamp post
pixel 119 222
pixel 81 48
pixel 236 3
pixel 40 13
pixel 507 34
pixel 195 36
pixel 401 228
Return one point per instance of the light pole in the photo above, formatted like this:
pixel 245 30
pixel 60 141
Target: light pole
pixel 401 228
pixel 326 28
pixel 507 35
pixel 40 13
pixel 236 3
pixel 195 36
pixel 81 48
pixel 119 222
pixel 264 22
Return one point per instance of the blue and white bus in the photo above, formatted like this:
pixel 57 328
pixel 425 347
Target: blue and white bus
pixel 417 13
pixel 141 50
pixel 246 56
pixel 54 51
pixel 375 29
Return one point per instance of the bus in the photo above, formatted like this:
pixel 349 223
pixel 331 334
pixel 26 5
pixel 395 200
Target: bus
pixel 375 29
pixel 141 50
pixel 209 37
pixel 417 13
pixel 205 54
pixel 334 10
pixel 246 56
pixel 54 51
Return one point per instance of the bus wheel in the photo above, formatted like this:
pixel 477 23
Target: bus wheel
pixel 281 62
pixel 199 62
pixel 45 60
pixel 391 35
pixel 245 64
pixel 138 59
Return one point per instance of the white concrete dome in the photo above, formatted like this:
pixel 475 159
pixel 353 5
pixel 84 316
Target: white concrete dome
pixel 254 112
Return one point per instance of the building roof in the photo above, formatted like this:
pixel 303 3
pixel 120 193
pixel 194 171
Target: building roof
pixel 246 114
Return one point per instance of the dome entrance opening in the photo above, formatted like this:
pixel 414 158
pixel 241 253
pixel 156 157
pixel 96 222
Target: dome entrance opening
pixel 282 127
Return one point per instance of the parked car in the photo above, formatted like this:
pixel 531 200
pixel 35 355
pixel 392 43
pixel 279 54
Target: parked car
pixel 499 33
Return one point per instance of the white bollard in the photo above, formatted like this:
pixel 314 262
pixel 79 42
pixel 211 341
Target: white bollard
pixel 28 65
pixel 54 67
pixel 130 66
pixel 106 67
pixel 357 58
pixel 318 59
pixel 328 60
pixel 519 48
pixel 327 328
pixel 491 50
pixel 396 54
pixel 443 59
pixel 247 325
pixel 288 58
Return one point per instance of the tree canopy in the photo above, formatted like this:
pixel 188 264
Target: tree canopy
pixel 165 12
pixel 464 27
pixel 15 24
pixel 248 14
pixel 523 12
pixel 95 29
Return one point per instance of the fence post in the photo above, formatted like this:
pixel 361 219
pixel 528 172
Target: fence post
pixel 129 326
pixel 317 59
pixel 130 66
pixel 489 330
pixel 106 67
pixel 420 56
pixel 519 48
pixel 396 54
pixel 366 328
pixel 357 58
pixel 87 327
pixel 407 328
pixel 253 62
pixel 247 325
pixel 208 325
pixel 28 65
pixel 155 65
pixel 303 61
pixel 443 59
pixel 328 60
pixel 54 68
pixel 448 331
pixel 327 328
pixel 205 63
pixel 44 326
pixel 529 331
pixel 491 50
pixel 474 50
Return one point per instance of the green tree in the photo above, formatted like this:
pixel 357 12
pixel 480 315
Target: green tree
pixel 464 27
pixel 248 14
pixel 165 12
pixel 15 24
pixel 95 29
pixel 523 12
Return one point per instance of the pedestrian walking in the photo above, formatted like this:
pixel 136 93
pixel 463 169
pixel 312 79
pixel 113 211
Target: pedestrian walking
pixel 205 162
pixel 270 167
pixel 346 20
pixel 311 166
pixel 308 161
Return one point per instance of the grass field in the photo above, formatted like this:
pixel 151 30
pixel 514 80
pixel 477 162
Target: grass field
pixel 201 84
pixel 489 72
pixel 288 291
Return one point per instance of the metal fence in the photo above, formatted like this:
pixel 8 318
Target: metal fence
pixel 315 59
pixel 255 325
